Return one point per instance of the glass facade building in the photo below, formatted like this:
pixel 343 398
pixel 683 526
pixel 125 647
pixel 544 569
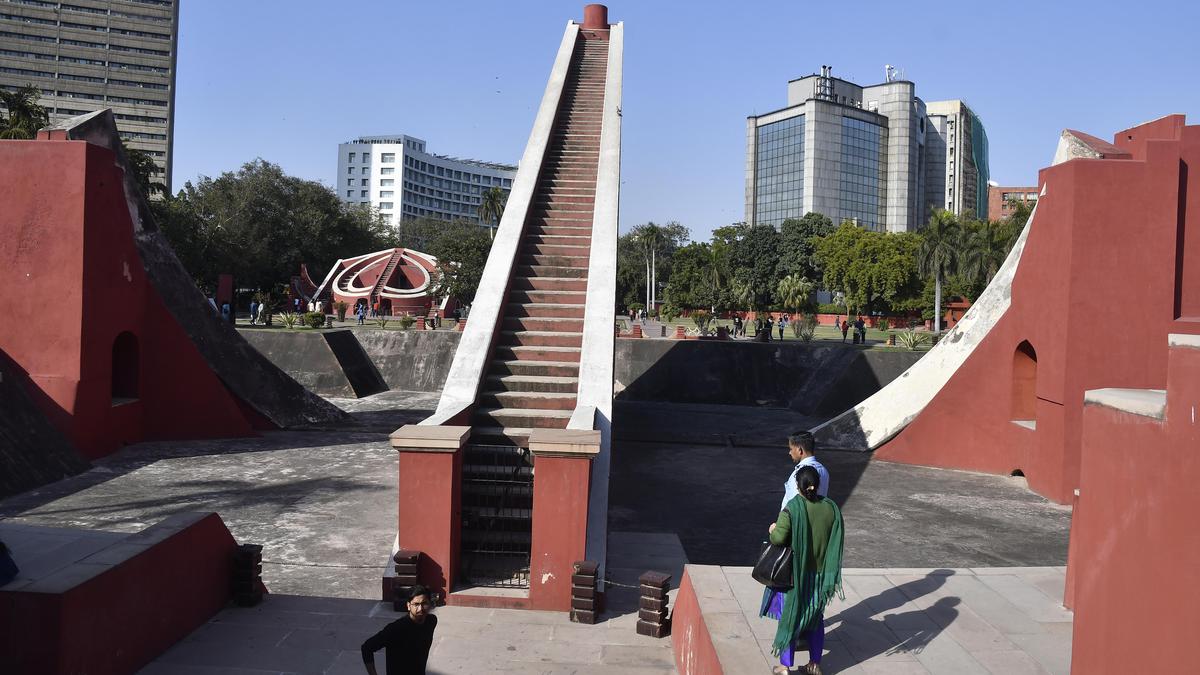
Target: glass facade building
pixel 780 171
pixel 862 186
pixel 875 155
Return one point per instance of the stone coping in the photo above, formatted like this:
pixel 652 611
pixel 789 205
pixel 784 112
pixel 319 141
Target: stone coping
pixel 429 438
pixel 564 443
pixel 1145 402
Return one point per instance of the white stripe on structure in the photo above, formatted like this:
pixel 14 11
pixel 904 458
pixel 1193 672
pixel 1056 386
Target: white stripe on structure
pixel 595 401
pixel 876 420
pixel 471 358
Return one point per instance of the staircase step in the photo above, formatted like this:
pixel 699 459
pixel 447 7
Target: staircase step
pixel 540 323
pixel 577 228
pixel 523 417
pixel 529 400
pixel 547 249
pixel 540 369
pixel 492 434
pixel 544 310
pixel 540 338
pixel 522 353
pixel 533 383
pixel 548 284
pixel 557 260
pixel 551 271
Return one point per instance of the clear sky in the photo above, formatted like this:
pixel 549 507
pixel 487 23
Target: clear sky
pixel 287 80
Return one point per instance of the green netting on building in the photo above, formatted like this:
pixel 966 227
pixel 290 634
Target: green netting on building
pixel 979 153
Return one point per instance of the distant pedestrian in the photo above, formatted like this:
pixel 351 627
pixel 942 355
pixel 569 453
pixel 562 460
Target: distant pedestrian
pixel 296 304
pixel 225 311
pixel 737 325
pixel 457 315
pixel 406 640
pixel 783 322
pixel 770 325
pixel 360 311
pixel 845 329
pixel 861 327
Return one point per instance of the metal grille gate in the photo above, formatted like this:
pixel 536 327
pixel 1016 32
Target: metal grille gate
pixel 497 509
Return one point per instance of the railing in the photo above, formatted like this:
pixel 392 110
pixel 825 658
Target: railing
pixel 497 514
pixel 593 409
pixel 475 348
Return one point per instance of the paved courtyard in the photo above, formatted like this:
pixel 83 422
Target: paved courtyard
pixel 964 621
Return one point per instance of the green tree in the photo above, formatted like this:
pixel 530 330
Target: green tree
pixel 754 259
pixel 144 171
pixel 462 253
pixel 24 116
pixel 794 293
pixel 491 208
pixel 798 244
pixel 655 245
pixel 260 224
pixel 938 255
pixel 872 270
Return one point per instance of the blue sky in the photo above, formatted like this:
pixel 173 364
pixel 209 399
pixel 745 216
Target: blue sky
pixel 287 80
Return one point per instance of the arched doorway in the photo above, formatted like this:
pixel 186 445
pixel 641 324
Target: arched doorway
pixel 1024 384
pixel 126 369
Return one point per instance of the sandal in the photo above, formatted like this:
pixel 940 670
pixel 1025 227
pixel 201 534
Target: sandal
pixel 811 669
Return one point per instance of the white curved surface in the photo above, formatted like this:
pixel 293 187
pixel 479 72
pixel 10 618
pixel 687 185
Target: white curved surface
pixel 884 414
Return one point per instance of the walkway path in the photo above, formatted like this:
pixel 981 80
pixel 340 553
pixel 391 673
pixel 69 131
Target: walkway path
pixel 963 621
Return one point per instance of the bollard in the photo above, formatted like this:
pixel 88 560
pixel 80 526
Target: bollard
pixel 405 579
pixel 652 606
pixel 247 575
pixel 585 599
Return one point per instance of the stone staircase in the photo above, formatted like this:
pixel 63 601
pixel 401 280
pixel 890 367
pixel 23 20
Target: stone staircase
pixel 393 262
pixel 533 377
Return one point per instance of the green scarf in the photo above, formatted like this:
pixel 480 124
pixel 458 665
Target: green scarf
pixel 811 589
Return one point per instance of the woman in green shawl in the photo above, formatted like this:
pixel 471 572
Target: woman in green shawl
pixel 812 525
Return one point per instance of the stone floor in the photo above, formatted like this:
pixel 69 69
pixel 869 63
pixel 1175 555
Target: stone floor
pixel 295 634
pixel 1007 620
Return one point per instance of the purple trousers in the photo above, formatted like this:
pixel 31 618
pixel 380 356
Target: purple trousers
pixel 814 635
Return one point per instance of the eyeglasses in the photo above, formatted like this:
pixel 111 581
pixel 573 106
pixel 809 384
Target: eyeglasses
pixel 420 604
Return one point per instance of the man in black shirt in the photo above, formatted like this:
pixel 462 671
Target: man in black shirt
pixel 405 641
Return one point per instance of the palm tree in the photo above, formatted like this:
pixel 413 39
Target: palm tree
pixel 794 292
pixel 25 116
pixel 984 247
pixel 491 208
pixel 718 270
pixel 939 254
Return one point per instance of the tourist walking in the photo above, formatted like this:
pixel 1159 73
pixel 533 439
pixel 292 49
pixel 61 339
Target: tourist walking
pixel 861 327
pixel 253 312
pixel 845 329
pixel 802 449
pixel 770 325
pixel 812 526
pixel 783 322
pixel 360 310
pixel 737 325
pixel 406 640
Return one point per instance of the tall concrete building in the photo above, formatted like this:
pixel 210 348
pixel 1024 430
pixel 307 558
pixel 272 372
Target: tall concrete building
pixel 957 152
pixel 859 153
pixel 397 176
pixel 93 54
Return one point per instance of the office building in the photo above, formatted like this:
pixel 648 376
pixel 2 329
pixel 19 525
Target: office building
pixel 1000 199
pixel 869 154
pixel 397 176
pixel 95 54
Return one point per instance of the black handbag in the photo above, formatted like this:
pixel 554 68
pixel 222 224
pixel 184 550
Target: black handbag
pixel 774 567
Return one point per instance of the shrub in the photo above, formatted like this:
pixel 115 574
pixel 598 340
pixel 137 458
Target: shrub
pixel 340 307
pixel 831 308
pixel 669 313
pixel 805 327
pixel 382 320
pixel 883 324
pixel 702 318
pixel 314 319
pixel 406 322
pixel 289 319
pixel 911 339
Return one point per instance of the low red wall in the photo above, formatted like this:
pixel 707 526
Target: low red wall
pixel 560 509
pixel 118 609
pixel 430 513
pixel 1135 547
pixel 694 650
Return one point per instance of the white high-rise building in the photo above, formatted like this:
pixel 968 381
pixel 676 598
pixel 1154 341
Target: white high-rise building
pixel 397 176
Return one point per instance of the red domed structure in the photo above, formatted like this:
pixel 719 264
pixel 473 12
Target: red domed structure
pixel 395 281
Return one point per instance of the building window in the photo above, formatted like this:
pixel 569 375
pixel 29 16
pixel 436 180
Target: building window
pixel 352 156
pixel 350 193
pixel 365 170
pixel 384 194
pixel 779 171
pixel 350 170
pixel 387 170
pixel 862 183
pixel 387 182
pixel 350 182
pixel 387 157
pixel 363 193
pixel 385 206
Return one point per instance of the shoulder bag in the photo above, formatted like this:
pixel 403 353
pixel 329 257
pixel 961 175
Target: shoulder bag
pixel 774 567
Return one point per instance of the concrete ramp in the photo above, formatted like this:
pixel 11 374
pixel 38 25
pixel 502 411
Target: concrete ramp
pixel 873 422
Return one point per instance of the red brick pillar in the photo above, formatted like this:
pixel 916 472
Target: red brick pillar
pixel 430 504
pixel 680 333
pixel 562 464
pixel 636 331
pixel 420 323
pixel 462 325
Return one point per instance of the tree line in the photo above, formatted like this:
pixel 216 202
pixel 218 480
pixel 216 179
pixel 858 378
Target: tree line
pixel 757 267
